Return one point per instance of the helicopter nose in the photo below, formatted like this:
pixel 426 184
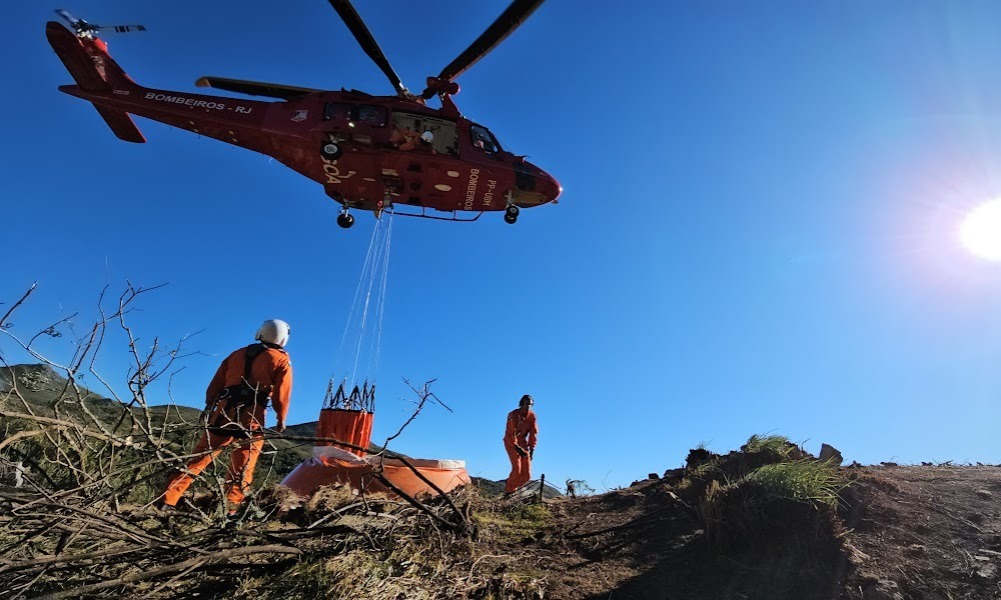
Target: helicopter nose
pixel 549 187
pixel 534 186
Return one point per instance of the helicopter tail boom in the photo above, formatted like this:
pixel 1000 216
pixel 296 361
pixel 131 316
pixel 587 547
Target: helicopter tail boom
pixel 87 60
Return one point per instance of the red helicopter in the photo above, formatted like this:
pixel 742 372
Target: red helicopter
pixel 369 152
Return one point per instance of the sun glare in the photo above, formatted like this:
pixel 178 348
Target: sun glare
pixel 981 230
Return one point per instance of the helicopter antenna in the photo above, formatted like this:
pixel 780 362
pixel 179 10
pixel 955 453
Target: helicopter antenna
pixel 87 30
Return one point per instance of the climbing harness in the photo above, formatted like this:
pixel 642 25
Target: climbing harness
pixel 235 399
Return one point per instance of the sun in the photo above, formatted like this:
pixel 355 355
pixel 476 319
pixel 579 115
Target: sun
pixel 980 231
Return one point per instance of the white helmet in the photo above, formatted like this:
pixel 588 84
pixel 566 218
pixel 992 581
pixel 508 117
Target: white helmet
pixel 274 331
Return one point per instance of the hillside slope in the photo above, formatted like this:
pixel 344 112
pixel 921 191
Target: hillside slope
pixel 913 532
pixel 40 390
pixel 765 522
pixel 898 533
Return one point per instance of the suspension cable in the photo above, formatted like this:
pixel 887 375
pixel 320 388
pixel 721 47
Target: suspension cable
pixel 363 329
pixel 376 353
pixel 357 297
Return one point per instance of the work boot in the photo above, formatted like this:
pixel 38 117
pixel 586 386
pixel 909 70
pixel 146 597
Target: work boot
pixel 232 520
pixel 162 509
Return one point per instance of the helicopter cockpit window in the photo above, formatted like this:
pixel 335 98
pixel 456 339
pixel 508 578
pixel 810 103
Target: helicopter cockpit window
pixel 416 132
pixel 483 139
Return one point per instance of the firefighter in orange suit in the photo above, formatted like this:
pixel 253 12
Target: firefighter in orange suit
pixel 235 402
pixel 519 441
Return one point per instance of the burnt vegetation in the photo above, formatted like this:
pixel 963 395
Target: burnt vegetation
pixel 768 521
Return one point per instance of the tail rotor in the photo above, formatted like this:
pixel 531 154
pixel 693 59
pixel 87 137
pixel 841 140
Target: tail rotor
pixel 87 30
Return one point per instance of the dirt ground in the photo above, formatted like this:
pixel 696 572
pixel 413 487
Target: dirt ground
pixel 933 531
pixel 912 533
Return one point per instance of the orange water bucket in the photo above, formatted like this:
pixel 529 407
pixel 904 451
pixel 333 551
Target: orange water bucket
pixel 350 426
pixel 333 466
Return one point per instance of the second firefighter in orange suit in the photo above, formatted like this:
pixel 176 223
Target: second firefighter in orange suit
pixel 240 423
pixel 519 441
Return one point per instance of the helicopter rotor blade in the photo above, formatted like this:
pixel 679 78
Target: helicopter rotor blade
pixel 66 16
pixel 83 27
pixel 367 42
pixel 123 28
pixel 78 25
pixel 509 20
pixel 255 88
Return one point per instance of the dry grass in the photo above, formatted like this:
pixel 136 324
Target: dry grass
pixel 799 481
pixel 773 444
pixel 329 498
pixel 765 497
pixel 513 522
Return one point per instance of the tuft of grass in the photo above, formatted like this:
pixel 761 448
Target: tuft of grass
pixel 280 498
pixel 510 586
pixel 531 514
pixel 776 444
pixel 800 481
pixel 788 507
pixel 707 470
pixel 515 523
pixel 331 497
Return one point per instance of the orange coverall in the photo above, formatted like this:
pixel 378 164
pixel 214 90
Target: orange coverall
pixel 520 433
pixel 272 370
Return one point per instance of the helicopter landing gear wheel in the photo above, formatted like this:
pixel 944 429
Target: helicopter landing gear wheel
pixel 330 150
pixel 511 214
pixel 345 220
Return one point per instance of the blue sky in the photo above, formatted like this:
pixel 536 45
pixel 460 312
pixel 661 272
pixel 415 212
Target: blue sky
pixel 758 231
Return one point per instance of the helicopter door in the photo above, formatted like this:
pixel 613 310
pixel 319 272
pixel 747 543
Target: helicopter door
pixel 353 123
pixel 351 165
pixel 421 133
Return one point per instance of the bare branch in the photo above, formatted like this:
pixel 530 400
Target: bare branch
pixel 3 320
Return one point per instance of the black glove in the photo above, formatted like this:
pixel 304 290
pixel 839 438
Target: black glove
pixel 531 453
pixel 521 451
